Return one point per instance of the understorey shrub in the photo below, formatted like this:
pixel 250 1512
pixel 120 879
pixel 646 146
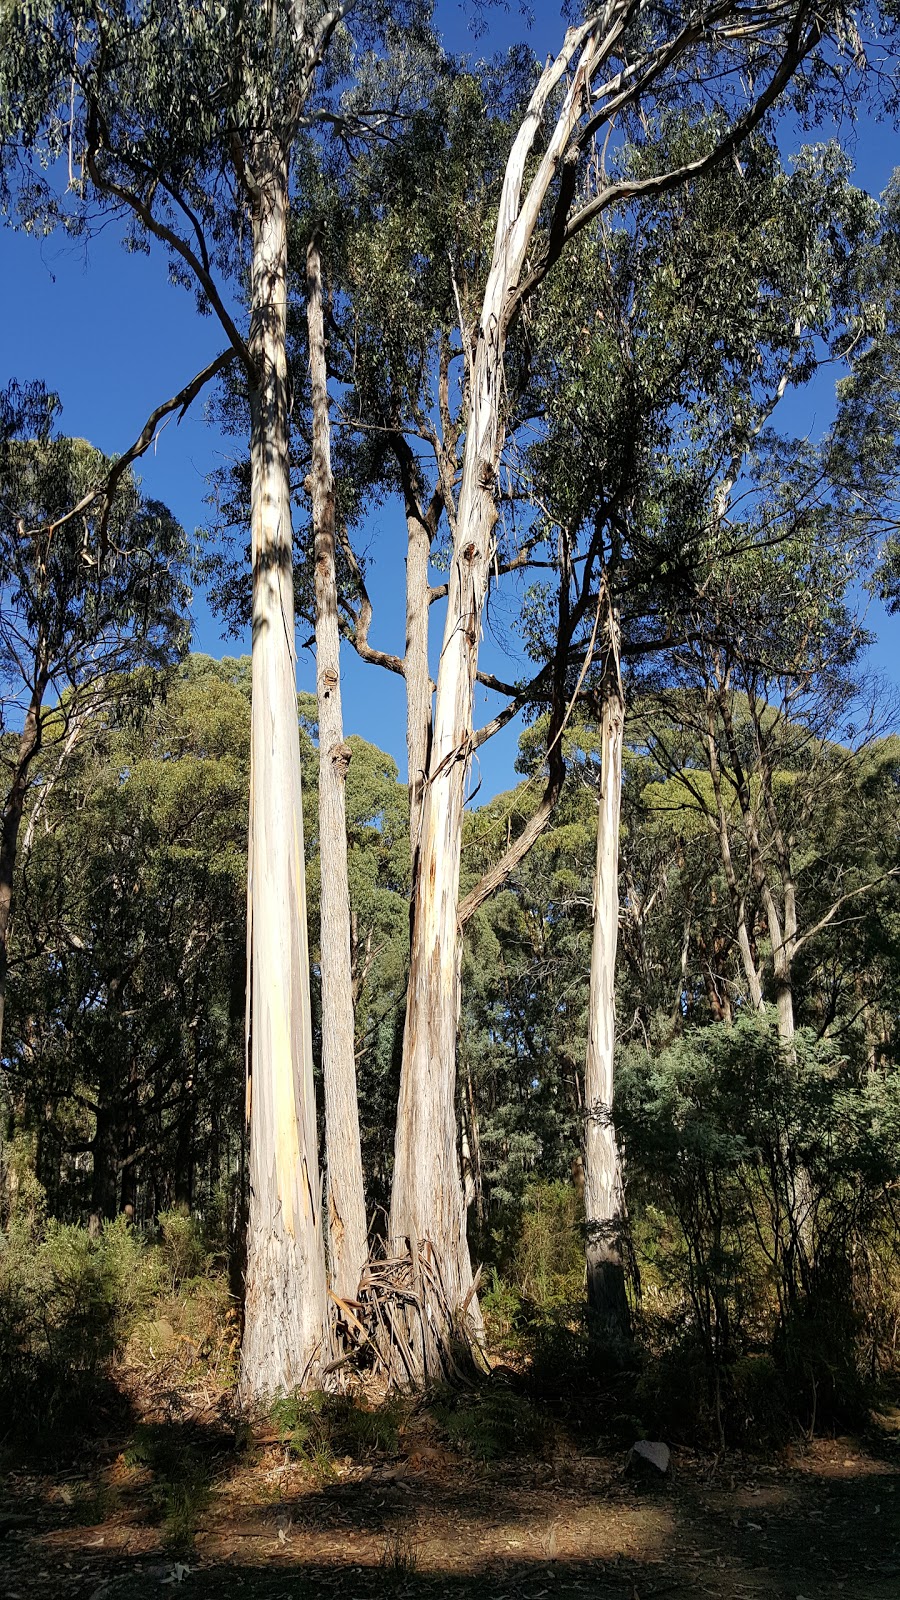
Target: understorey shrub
pixel 759 1179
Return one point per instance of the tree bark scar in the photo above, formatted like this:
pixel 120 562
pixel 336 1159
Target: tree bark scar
pixel 341 755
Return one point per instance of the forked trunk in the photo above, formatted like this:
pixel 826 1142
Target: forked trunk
pixel 285 1320
pixel 427 1207
pixel 604 1199
pixel 347 1246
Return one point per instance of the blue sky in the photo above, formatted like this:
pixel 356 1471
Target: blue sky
pixel 106 331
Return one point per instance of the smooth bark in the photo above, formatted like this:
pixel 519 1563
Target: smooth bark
pixel 604 1197
pixel 416 670
pixel 286 1327
pixel 427 1204
pixel 426 1201
pixel 13 810
pixel 347 1240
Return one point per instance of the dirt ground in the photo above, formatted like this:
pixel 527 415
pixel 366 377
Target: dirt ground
pixel 818 1522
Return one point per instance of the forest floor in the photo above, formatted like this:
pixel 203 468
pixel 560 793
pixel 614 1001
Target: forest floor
pixel 181 1502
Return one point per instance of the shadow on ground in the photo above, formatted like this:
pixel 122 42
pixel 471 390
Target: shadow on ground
pixel 178 1509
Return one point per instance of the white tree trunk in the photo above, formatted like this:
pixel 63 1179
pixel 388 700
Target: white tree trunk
pixel 347 1239
pixel 286 1325
pixel 10 823
pixel 427 1206
pixel 604 1199
pixel 417 673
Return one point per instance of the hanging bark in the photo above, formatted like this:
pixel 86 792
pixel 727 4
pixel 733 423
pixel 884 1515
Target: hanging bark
pixel 604 1199
pixel 347 1246
pixel 285 1328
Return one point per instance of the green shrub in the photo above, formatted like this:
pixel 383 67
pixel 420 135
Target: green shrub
pixel 548 1260
pixel 71 1302
pixel 491 1422
pixel 182 1248
pixel 322 1428
pixel 181 1482
pixel 66 1303
pixel 759 1194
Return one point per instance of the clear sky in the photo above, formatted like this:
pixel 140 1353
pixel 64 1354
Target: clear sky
pixel 106 331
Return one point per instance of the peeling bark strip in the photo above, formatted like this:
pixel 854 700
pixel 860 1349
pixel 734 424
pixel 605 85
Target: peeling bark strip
pixel 286 1327
pixel 344 1175
pixel 604 1201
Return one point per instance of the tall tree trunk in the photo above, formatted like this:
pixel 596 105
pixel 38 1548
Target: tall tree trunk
pixel 427 1199
pixel 29 745
pixel 604 1198
pixel 417 672
pixel 346 1196
pixel 285 1316
pixel 427 1206
pixel 736 895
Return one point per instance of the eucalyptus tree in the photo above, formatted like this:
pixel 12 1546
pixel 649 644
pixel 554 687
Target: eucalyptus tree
pixel 777 632
pixel 409 236
pixel 347 1232
pixel 714 302
pixel 780 719
pixel 182 122
pixel 83 602
pixel 615 68
pixel 392 263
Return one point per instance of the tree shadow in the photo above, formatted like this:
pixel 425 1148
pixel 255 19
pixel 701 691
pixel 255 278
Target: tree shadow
pixel 188 1509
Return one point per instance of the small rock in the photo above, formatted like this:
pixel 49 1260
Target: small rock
pixel 651 1453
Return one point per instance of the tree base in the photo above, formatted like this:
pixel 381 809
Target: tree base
pixel 402 1327
pixel 609 1314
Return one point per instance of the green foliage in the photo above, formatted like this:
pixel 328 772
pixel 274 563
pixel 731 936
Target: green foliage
pixel 491 1422
pixel 322 1428
pixel 181 1247
pixel 181 1482
pixel 769 1171
pixel 72 1304
pixel 67 1302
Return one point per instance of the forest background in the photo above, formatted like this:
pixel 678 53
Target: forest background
pixel 708 1296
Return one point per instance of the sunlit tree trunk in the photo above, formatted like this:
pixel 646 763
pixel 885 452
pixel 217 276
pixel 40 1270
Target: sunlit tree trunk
pixel 736 894
pixel 344 1175
pixel 604 1199
pixel 10 824
pixel 416 671
pixel 285 1318
pixel 427 1206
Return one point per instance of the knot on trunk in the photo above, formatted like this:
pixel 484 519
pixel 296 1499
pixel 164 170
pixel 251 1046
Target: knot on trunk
pixel 340 757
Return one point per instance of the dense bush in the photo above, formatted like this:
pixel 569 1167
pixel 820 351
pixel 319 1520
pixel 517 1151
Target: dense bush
pixel 70 1302
pixel 760 1194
